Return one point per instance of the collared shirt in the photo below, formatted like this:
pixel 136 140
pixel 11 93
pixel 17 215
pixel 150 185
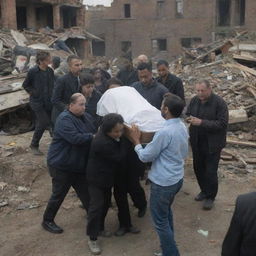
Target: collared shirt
pixel 153 93
pixel 167 152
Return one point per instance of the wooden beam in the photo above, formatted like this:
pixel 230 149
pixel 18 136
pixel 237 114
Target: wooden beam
pixel 241 143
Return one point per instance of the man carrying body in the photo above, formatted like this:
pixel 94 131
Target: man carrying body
pixel 150 89
pixel 39 84
pixel 170 81
pixel 167 152
pixel 208 118
pixel 66 86
pixel 67 158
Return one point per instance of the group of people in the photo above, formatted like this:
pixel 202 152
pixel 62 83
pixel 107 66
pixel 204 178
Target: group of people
pixel 94 156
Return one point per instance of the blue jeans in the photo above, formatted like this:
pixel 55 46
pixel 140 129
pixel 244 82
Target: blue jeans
pixel 161 199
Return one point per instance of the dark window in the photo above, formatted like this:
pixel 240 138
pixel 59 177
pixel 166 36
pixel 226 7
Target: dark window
pixel 160 8
pixel 21 13
pixel 189 42
pixel 223 17
pixel 162 44
pixel 179 8
pixel 239 17
pixel 127 10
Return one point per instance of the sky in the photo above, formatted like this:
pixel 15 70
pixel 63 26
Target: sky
pixel 96 2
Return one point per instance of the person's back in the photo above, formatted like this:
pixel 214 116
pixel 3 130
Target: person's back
pixel 241 236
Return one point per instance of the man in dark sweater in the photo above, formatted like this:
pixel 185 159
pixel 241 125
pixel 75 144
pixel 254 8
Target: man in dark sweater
pixel 240 239
pixel 67 158
pixel 149 88
pixel 128 74
pixel 208 118
pixel 66 86
pixel 170 81
pixel 39 84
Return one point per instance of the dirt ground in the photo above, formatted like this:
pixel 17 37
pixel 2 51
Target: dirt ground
pixel 21 233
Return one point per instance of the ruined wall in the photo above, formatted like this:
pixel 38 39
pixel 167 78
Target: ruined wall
pixel 162 23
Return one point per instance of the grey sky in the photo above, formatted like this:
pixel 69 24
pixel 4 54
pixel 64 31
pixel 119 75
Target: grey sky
pixel 95 2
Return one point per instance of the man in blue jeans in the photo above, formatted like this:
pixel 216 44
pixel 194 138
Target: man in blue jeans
pixel 167 152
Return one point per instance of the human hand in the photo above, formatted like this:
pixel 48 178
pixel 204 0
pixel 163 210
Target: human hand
pixel 134 134
pixel 194 121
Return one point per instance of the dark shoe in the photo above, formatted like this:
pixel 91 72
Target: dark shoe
pixel 35 150
pixel 142 212
pixel 200 197
pixel 123 231
pixel 208 204
pixel 51 227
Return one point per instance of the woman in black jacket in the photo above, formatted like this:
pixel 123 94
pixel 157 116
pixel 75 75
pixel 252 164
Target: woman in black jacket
pixel 107 156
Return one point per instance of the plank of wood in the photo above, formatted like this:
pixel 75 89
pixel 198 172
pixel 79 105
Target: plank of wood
pixel 250 160
pixel 13 99
pixel 241 143
pixel 241 67
pixel 243 57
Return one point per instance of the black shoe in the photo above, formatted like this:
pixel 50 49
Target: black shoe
pixel 51 227
pixel 200 197
pixel 123 231
pixel 208 204
pixel 142 212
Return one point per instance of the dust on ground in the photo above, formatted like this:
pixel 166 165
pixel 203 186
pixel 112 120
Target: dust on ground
pixel 25 187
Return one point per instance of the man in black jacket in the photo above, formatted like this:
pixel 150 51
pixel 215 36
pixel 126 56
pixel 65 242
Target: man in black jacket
pixel 208 118
pixel 39 84
pixel 149 88
pixel 128 74
pixel 67 158
pixel 170 81
pixel 240 239
pixel 66 86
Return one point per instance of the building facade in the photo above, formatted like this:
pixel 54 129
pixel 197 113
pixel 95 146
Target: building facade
pixel 160 28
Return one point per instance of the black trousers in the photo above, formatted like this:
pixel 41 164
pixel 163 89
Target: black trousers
pixel 206 167
pixel 99 204
pixel 43 122
pixel 61 183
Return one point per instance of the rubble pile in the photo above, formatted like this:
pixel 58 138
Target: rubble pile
pixel 230 66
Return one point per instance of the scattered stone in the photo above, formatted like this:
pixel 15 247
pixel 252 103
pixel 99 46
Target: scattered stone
pixel 3 202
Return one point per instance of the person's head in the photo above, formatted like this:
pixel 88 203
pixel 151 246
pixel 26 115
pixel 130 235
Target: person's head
pixel 97 74
pixel 87 84
pixel 172 106
pixel 142 59
pixel 113 126
pixel 113 83
pixel 162 68
pixel 203 90
pixel 55 62
pixel 145 73
pixel 77 104
pixel 128 65
pixel 43 59
pixel 74 64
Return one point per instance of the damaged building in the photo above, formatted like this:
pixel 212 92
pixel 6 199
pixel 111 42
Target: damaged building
pixel 160 28
pixel 52 15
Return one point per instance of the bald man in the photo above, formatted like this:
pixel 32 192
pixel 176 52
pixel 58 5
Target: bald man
pixel 67 158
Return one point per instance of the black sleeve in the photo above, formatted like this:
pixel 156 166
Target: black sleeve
pixel 28 83
pixel 180 89
pixel 232 242
pixel 221 121
pixel 57 95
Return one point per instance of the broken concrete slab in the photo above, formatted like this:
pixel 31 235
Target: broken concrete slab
pixel 237 116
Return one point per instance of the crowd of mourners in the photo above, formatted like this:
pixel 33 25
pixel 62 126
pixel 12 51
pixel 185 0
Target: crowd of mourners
pixel 100 158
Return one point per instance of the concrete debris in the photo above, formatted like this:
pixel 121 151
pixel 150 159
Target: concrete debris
pixel 26 205
pixel 3 202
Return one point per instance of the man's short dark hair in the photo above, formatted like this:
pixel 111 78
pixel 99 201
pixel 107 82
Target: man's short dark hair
pixel 143 66
pixel 162 62
pixel 174 104
pixel 41 56
pixel 114 80
pixel 86 79
pixel 109 121
pixel 72 57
